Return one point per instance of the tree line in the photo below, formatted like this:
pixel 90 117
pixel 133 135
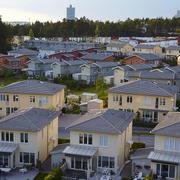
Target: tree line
pixel 84 27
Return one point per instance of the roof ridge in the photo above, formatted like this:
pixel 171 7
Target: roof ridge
pixel 162 89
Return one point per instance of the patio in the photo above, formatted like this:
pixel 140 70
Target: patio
pixel 16 175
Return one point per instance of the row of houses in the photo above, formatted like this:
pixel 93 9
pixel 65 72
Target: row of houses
pixel 170 52
pixel 93 135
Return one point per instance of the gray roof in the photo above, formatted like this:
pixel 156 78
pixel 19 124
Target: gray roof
pixel 24 51
pixel 96 56
pixel 145 46
pixel 143 87
pixel 118 45
pixel 32 119
pixel 175 69
pixel 176 48
pixel 163 156
pixel 170 126
pixel 59 149
pixel 32 87
pixel 155 74
pixel 80 150
pixel 141 153
pixel 103 121
pixel 7 147
pixel 146 56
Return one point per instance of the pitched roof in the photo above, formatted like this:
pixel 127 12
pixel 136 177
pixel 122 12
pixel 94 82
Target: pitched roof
pixel 104 121
pixel 32 119
pixel 170 126
pixel 96 56
pixel 118 45
pixel 177 48
pixel 32 87
pixel 143 87
pixel 145 46
pixel 146 56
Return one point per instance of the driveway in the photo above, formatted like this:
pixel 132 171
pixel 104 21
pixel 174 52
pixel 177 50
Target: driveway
pixel 66 120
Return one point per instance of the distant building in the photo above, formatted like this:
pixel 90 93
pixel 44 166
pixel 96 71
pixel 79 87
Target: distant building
pixel 70 13
pixel 178 14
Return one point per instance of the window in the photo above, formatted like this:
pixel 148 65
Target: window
pixel 147 101
pixel 120 100
pixel 7 136
pixel 172 144
pixel 85 139
pixel 32 99
pixel 129 99
pixel 44 100
pixel 165 170
pixel 27 158
pixel 24 137
pixel 162 101
pixel 15 98
pixel 103 141
pixel 106 162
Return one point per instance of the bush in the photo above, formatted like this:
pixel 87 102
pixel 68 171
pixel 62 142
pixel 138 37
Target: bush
pixel 140 123
pixel 55 174
pixel 63 141
pixel 138 145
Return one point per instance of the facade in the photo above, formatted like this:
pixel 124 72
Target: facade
pixel 143 58
pixel 70 13
pixel 148 49
pixel 66 67
pixel 120 72
pixel 172 52
pixel 27 137
pixel 99 140
pixel 151 100
pixel 90 72
pixel 30 93
pixel 165 159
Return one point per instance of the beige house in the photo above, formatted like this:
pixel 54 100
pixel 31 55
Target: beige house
pixel 172 52
pixel 99 140
pixel 30 93
pixel 152 100
pixel 27 136
pixel 124 48
pixel 165 159
pixel 148 49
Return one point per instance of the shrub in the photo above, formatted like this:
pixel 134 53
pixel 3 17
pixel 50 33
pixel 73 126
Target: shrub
pixel 138 145
pixel 55 174
pixel 63 141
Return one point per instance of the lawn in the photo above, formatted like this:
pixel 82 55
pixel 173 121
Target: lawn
pixel 9 80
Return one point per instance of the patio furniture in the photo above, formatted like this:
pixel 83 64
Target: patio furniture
pixel 23 170
pixel 5 170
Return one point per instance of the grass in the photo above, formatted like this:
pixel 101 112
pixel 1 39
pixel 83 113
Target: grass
pixel 143 134
pixel 40 176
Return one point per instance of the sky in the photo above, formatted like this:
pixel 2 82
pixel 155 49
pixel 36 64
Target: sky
pixel 112 10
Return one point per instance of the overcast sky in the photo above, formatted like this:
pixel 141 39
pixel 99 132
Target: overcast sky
pixel 113 10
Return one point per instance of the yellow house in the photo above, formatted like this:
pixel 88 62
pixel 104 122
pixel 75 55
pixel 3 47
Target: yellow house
pixel 165 159
pixel 31 93
pixel 99 140
pixel 152 100
pixel 27 136
pixel 149 49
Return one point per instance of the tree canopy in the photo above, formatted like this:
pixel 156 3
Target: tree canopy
pixel 84 27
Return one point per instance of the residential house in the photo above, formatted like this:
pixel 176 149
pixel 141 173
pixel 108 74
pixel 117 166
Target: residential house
pixel 120 72
pixel 124 47
pixel 167 75
pixel 148 49
pixel 99 140
pixel 143 58
pixel 90 72
pixel 172 52
pixel 60 68
pixel 3 60
pixel 30 93
pixel 151 100
pixel 165 159
pixel 97 57
pixel 27 137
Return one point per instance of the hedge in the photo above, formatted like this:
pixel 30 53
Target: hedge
pixel 138 145
pixel 63 141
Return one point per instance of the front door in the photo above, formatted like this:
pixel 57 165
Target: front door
pixel 157 103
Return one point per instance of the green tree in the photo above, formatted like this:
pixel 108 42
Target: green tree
pixel 31 34
pixel 5 37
